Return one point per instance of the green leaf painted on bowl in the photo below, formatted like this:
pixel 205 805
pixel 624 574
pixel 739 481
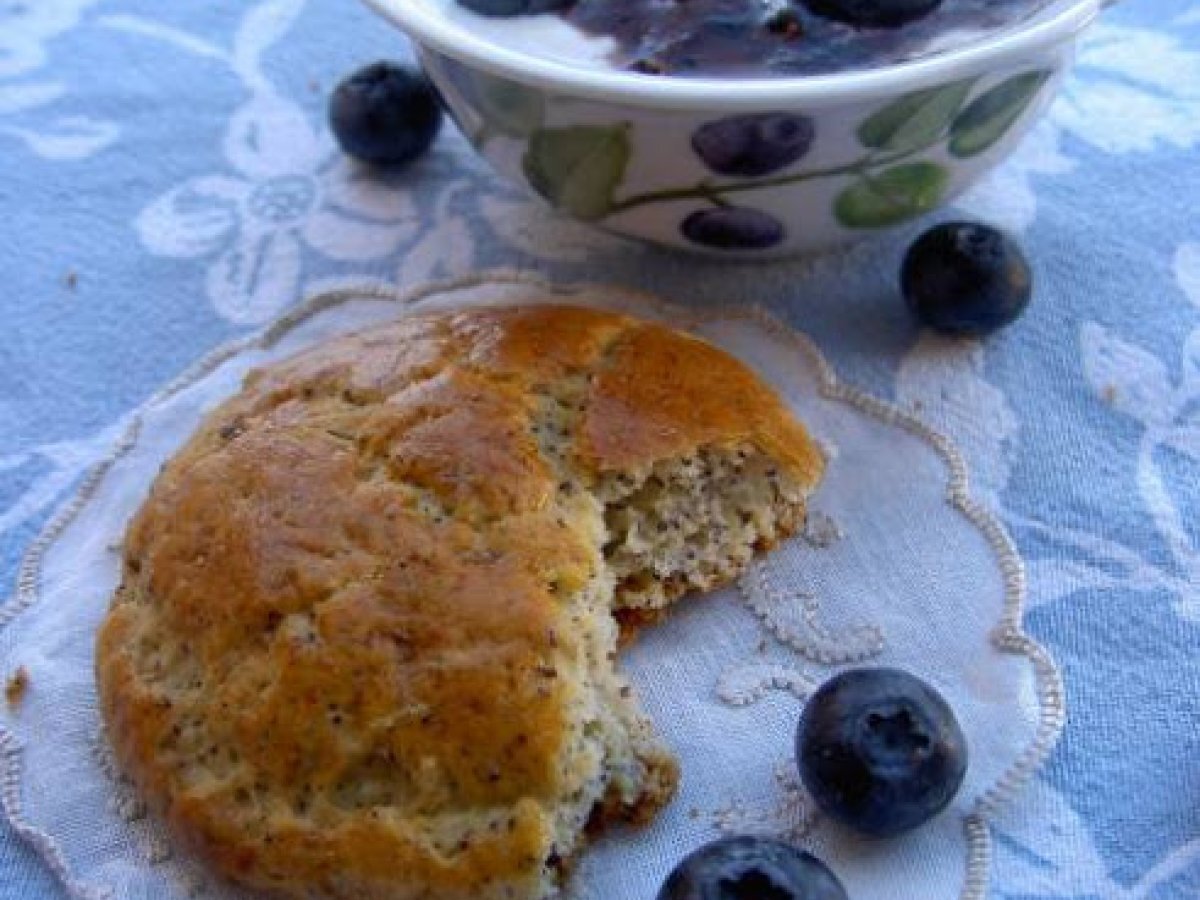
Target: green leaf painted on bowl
pixel 508 107
pixel 578 169
pixel 891 196
pixel 915 120
pixel 989 116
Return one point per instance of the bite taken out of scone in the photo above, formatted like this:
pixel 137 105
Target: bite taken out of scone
pixel 365 643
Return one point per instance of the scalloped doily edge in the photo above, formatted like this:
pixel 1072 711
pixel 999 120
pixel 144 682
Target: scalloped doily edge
pixel 1008 636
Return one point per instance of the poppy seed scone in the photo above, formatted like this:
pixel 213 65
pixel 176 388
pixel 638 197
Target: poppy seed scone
pixel 364 642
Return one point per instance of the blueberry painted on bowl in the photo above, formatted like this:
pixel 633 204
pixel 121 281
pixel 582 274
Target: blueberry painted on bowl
pixel 551 105
pixel 733 228
pixel 753 144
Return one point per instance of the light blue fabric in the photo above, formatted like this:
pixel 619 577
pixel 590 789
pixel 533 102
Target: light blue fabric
pixel 130 244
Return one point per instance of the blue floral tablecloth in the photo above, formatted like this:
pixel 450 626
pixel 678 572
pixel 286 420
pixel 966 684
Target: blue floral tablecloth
pixel 167 182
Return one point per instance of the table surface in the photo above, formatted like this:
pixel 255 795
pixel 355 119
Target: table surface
pixel 167 182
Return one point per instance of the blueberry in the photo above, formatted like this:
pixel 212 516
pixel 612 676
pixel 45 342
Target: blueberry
pixel 751 868
pixel 754 144
pixel 966 278
pixel 880 751
pixel 506 8
pixel 385 114
pixel 873 13
pixel 733 228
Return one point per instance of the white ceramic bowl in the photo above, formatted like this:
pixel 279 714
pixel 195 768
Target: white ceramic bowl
pixel 619 150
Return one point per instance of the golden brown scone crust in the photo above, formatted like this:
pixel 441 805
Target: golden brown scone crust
pixel 341 661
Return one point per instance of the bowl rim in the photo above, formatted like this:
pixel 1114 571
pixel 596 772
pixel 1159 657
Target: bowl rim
pixel 444 35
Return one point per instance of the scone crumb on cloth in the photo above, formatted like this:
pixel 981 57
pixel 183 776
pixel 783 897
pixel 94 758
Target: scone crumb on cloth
pixel 16 686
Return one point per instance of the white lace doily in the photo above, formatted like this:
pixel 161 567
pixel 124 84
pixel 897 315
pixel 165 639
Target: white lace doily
pixel 897 567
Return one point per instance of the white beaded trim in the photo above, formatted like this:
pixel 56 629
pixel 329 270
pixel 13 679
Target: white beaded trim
pixel 38 840
pixel 1009 636
pixel 854 645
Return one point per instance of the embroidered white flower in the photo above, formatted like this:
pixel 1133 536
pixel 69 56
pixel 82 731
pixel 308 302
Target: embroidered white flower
pixel 1187 274
pixel 291 189
pixel 1134 90
pixel 1138 384
pixel 58 466
pixel 26 27
pixel 942 380
pixel 1047 850
pixel 1007 196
